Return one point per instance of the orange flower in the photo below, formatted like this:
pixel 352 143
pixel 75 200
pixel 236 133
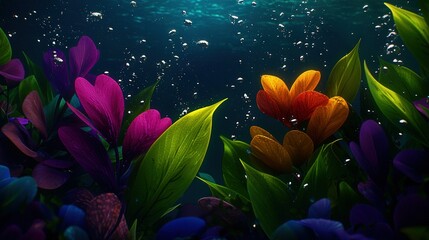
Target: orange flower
pixel 326 120
pixel 296 149
pixel 294 105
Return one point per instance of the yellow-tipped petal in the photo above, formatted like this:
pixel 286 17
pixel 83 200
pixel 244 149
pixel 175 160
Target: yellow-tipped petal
pixel 307 81
pixel 271 153
pixel 277 89
pixel 326 120
pixel 255 130
pixel 299 145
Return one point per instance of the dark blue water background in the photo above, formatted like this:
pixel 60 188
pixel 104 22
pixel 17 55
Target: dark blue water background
pixel 246 40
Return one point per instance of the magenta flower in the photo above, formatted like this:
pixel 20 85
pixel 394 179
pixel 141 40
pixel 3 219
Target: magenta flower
pixel 104 105
pixel 422 106
pixel 142 133
pixel 82 59
pixel 13 72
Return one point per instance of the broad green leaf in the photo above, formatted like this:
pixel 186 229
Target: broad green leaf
pixel 162 175
pixel 26 86
pixel 5 48
pixel 414 32
pixel 232 169
pixel 424 6
pixel 228 195
pixel 416 232
pixel 271 200
pixel 322 176
pixel 402 80
pixel 45 87
pixel 398 110
pixel 344 79
pixel 344 200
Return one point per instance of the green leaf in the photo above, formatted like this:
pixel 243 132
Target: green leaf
pixel 345 77
pixel 45 87
pixel 416 233
pixel 414 32
pixel 321 177
pixel 168 168
pixel 26 86
pixel 402 80
pixel 228 195
pixel 344 201
pixel 271 200
pixel 397 109
pixel 5 48
pixel 138 104
pixel 232 169
pixel 424 6
pixel 17 194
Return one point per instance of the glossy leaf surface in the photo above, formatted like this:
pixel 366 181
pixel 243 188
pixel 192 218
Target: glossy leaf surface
pixel 344 79
pixel 5 48
pixel 170 165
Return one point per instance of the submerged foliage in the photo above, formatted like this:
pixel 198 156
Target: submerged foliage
pixel 78 162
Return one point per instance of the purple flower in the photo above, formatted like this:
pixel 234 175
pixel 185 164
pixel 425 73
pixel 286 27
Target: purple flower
pixel 413 163
pixel 411 210
pixel 371 152
pixel 423 106
pixel 104 105
pixel 369 221
pixel 13 72
pixel 82 59
pixel 142 132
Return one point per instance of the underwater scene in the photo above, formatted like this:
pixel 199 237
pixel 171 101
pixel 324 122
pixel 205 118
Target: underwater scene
pixel 215 119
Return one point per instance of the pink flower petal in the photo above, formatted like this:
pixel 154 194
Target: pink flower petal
pixel 83 57
pixel 13 72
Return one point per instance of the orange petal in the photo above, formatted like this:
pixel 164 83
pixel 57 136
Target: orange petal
pixel 299 145
pixel 277 90
pixel 268 105
pixel 326 120
pixel 305 104
pixel 271 153
pixel 307 81
pixel 255 130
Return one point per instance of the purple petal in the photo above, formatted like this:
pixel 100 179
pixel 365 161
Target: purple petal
pixel 33 109
pixel 323 228
pixel 104 104
pixel 55 66
pixel 371 192
pixel 19 136
pixel 48 177
pixel 142 133
pixel 101 216
pixel 421 105
pixel 374 146
pixel 88 151
pixel 413 164
pixel 13 72
pixel 364 214
pixel 83 57
pixel 411 210
pixel 320 209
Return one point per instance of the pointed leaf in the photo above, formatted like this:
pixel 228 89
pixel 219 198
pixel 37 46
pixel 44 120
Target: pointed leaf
pixel 396 108
pixel 170 165
pixel 414 32
pixel 26 86
pixel 271 202
pixel 33 110
pixel 45 87
pixel 402 80
pixel 232 170
pixel 138 104
pixel 228 195
pixel 321 176
pixel 345 76
pixel 5 48
pixel 424 6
